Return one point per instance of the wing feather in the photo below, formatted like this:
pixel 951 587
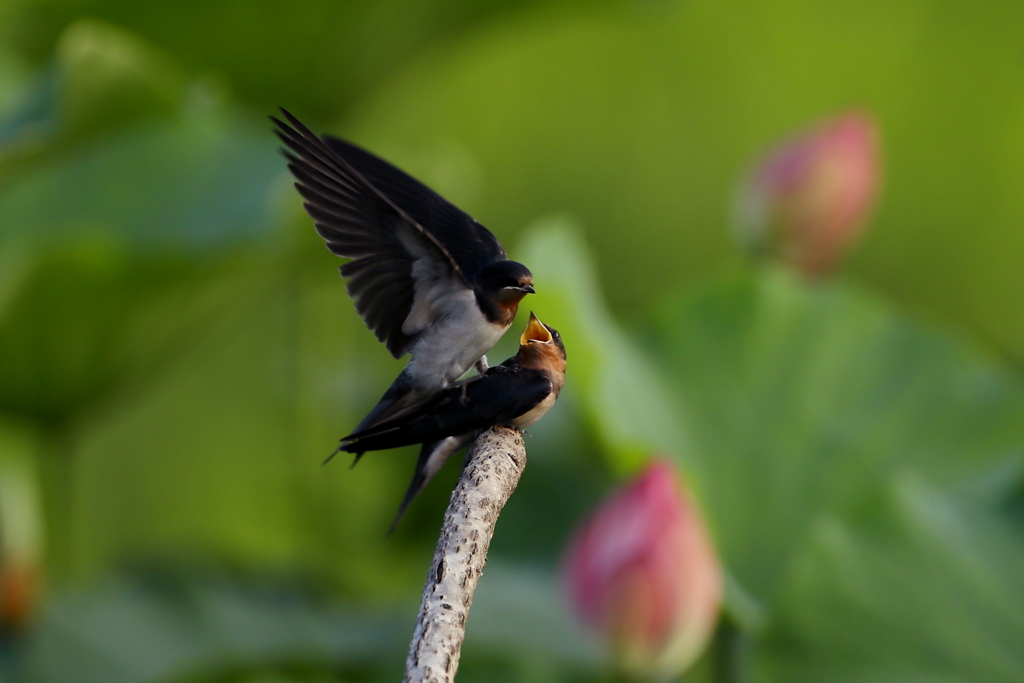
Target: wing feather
pixel 471 245
pixel 395 260
pixel 497 397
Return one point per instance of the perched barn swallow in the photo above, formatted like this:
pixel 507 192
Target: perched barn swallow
pixel 426 277
pixel 516 393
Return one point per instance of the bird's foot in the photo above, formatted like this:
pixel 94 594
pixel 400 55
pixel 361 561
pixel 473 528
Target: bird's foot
pixel 481 365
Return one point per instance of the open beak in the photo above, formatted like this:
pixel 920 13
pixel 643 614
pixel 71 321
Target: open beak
pixel 535 331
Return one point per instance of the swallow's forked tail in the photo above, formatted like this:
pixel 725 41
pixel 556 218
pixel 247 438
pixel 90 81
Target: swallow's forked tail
pixel 432 458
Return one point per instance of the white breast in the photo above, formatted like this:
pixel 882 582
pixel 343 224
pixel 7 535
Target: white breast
pixel 453 332
pixel 537 412
pixel 449 347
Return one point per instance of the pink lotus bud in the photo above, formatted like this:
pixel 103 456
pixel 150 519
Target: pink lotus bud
pixel 643 573
pixel 808 202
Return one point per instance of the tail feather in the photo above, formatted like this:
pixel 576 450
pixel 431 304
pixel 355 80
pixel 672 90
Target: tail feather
pixel 419 481
pixel 337 450
pixel 432 458
pixel 400 394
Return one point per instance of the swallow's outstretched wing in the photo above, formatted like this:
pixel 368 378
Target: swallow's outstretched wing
pixel 471 245
pixel 496 397
pixel 402 275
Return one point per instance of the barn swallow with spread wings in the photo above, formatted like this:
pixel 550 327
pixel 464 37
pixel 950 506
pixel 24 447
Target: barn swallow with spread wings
pixel 426 277
pixel 516 393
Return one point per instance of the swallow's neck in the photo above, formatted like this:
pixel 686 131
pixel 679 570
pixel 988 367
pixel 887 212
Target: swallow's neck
pixel 501 309
pixel 546 358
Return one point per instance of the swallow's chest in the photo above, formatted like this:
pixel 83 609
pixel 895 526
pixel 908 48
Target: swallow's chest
pixel 452 345
pixel 528 418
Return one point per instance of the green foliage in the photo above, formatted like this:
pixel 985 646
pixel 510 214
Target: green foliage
pixel 156 627
pixel 920 585
pixel 320 54
pixel 638 117
pixel 177 353
pixel 814 415
pixel 616 385
pixel 834 440
pixel 802 398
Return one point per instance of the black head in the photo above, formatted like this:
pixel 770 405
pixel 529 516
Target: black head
pixel 505 280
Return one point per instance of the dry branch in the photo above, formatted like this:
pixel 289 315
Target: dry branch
pixel 494 464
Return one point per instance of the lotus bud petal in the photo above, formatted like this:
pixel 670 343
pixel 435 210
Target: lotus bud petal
pixel 808 202
pixel 642 572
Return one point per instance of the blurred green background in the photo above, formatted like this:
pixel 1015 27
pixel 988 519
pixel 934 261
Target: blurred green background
pixel 178 354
